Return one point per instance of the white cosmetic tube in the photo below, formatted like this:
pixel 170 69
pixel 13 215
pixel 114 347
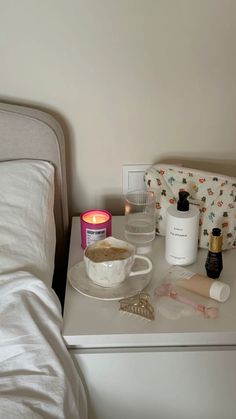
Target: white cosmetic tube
pixel 198 284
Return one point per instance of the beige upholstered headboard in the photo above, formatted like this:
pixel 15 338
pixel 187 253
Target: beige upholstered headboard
pixel 32 134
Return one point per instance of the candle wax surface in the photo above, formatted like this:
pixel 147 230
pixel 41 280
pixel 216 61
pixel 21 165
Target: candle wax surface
pixel 95 217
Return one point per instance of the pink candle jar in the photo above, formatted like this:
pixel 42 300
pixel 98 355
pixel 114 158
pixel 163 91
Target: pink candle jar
pixel 95 225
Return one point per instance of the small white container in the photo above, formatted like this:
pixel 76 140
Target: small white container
pixel 199 284
pixel 182 226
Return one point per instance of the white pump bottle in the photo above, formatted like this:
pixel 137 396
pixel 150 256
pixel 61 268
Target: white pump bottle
pixel 182 224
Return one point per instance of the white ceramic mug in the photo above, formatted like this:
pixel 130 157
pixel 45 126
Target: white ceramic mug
pixel 109 273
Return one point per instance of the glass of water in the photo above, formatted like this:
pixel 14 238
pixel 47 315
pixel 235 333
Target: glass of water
pixel 140 219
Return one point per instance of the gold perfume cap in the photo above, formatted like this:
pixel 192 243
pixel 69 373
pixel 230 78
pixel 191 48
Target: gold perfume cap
pixel 216 241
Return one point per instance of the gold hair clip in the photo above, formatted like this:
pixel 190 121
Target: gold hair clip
pixel 138 304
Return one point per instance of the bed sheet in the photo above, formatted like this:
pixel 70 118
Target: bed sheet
pixel 37 376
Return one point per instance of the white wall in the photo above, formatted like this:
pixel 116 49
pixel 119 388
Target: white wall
pixel 133 81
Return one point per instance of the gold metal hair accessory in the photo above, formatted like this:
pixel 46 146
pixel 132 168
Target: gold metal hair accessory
pixel 139 305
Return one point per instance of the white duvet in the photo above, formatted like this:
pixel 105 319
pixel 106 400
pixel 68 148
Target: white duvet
pixel 37 376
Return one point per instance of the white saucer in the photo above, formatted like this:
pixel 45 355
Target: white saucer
pixel 82 283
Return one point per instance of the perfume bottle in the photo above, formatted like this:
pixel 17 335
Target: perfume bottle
pixel 214 262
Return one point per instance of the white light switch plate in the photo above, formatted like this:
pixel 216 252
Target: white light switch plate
pixel 133 176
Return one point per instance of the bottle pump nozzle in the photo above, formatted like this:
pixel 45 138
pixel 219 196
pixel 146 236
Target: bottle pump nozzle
pixel 183 204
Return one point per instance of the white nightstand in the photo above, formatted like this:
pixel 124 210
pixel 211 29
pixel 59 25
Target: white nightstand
pixel 133 368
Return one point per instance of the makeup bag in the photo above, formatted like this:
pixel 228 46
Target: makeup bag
pixel 213 194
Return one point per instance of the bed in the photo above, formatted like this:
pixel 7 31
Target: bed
pixel 38 378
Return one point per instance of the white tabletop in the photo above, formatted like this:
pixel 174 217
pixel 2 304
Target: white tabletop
pixel 92 323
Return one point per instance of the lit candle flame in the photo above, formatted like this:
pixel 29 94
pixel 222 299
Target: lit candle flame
pixel 95 217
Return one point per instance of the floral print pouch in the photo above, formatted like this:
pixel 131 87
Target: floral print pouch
pixel 213 194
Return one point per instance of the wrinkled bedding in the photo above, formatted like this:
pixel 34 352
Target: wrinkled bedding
pixel 37 376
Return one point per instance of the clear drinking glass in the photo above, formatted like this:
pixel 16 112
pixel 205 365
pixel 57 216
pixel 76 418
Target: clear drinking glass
pixel 140 219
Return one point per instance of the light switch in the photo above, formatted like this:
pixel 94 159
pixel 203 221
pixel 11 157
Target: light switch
pixel 133 176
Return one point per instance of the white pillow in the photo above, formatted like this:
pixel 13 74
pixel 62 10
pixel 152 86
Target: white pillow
pixel 27 227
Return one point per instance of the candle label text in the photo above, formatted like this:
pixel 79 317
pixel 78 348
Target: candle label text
pixel 95 235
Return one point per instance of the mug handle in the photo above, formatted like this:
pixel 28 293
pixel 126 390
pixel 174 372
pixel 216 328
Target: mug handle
pixel 143 271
